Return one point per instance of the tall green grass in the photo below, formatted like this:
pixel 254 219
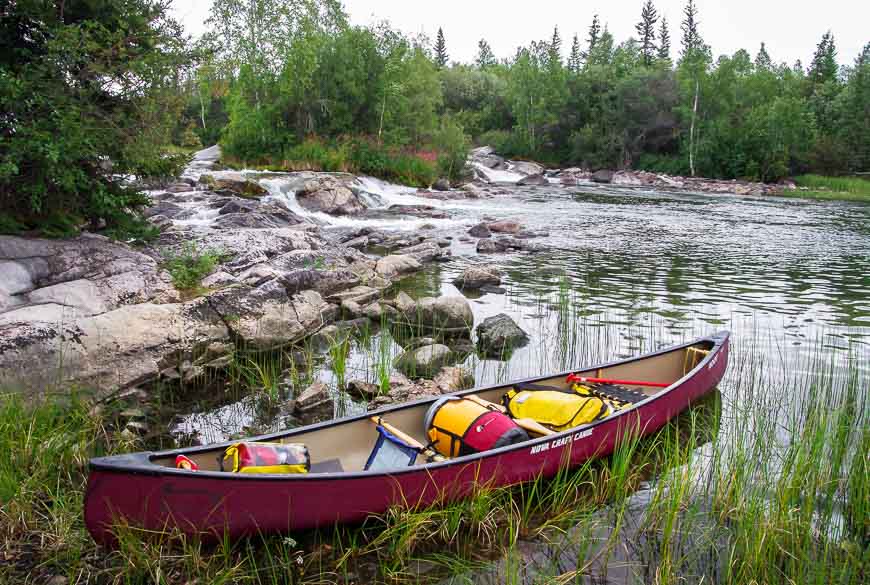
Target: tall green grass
pixel 821 187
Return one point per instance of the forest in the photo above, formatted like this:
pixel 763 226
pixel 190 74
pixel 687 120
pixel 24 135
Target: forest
pixel 292 84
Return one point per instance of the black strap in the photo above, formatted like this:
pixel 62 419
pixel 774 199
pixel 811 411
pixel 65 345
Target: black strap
pixel 619 393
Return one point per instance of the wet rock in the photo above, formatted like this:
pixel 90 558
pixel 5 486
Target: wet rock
pixel 475 277
pixel 505 227
pixel 260 217
pixel 396 265
pixel 441 185
pixel 404 303
pixel 490 247
pixel 358 243
pixel 351 309
pixel 602 176
pixel 137 427
pixel 526 168
pixel 481 230
pixel 240 187
pixel 448 314
pixel 161 222
pixel 426 211
pixel 363 390
pixel 423 361
pixel 315 403
pixel 330 195
pixel 453 379
pixel 425 251
pixel 533 180
pixel 360 294
pixel 499 334
pixel 238 206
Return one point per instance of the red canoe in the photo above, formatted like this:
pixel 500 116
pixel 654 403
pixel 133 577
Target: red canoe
pixel 146 490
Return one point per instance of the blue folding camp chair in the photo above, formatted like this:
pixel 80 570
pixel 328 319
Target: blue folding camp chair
pixel 390 452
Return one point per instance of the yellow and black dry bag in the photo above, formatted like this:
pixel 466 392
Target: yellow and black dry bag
pixel 558 410
pixel 458 426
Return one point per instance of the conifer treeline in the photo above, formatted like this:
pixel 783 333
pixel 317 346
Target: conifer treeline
pixel 609 104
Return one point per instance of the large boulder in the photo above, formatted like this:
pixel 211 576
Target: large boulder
pixel 41 347
pixel 441 185
pixel 423 361
pixel 526 168
pixel 474 277
pixel 448 314
pixel 506 226
pixel 315 404
pixel 266 317
pixel 397 265
pixel 234 186
pixel 426 251
pixel 498 335
pixel 329 195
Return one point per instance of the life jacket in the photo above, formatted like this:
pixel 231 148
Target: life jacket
pixel 266 458
pixel 456 427
pixel 556 409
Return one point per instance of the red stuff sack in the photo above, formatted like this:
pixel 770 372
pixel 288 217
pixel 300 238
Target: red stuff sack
pixel 266 458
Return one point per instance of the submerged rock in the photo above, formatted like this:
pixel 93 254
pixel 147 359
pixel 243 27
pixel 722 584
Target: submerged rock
pixel 474 277
pixel 536 180
pixel 423 361
pixel 497 335
pixel 240 187
pixel 506 226
pixel 481 230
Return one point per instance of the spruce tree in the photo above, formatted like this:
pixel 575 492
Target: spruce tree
pixel 762 59
pixel 693 44
pixel 824 65
pixel 575 60
pixel 594 35
pixel 646 32
pixel 664 41
pixel 555 50
pixel 485 57
pixel 440 50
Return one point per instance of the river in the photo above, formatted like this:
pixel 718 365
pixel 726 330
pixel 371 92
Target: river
pixel 622 271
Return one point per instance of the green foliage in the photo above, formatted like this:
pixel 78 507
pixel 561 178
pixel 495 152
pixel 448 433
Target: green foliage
pixel 87 98
pixel 453 146
pixel 190 265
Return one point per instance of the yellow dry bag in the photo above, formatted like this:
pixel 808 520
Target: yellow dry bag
pixel 557 410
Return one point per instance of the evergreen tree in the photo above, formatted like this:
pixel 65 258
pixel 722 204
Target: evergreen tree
pixel 555 50
pixel 798 68
pixel 664 41
pixel 646 32
pixel 693 44
pixel 602 52
pixel 485 57
pixel 575 60
pixel 762 60
pixel 824 65
pixel 594 35
pixel 441 50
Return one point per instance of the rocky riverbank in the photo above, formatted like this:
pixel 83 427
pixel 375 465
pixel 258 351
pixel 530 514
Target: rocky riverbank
pixel 491 168
pixel 104 315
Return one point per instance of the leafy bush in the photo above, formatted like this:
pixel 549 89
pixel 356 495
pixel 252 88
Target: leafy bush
pixel 189 266
pixel 453 146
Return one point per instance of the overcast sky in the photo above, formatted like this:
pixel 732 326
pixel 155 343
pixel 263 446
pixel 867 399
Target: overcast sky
pixel 791 29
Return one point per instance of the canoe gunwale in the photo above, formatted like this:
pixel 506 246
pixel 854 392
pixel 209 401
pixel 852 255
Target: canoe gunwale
pixel 141 463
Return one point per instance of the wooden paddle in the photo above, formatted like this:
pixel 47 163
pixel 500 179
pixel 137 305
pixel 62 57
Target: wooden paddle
pixel 428 451
pixel 526 423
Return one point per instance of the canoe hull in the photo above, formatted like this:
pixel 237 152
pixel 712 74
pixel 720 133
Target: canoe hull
pixel 218 505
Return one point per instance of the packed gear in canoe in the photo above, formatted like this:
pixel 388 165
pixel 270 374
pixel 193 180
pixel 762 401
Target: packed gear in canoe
pixel 459 426
pixel 250 457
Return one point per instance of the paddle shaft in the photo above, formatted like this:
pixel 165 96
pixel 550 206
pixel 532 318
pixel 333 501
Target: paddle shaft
pixel 526 423
pixel 577 378
pixel 407 438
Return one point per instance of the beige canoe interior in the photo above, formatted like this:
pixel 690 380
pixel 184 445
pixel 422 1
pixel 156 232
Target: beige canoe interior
pixel 346 446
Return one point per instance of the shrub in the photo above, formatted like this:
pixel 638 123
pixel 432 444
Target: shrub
pixel 453 145
pixel 190 265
